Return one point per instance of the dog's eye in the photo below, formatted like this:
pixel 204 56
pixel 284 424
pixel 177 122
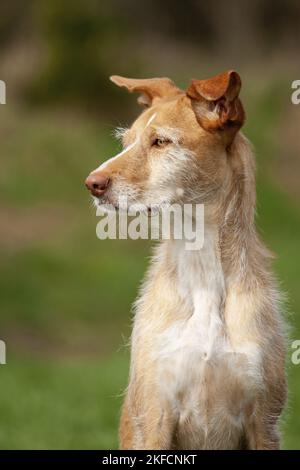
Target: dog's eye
pixel 160 142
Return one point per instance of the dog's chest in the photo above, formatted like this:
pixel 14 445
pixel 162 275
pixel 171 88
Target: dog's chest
pixel 208 386
pixel 199 374
pixel 201 287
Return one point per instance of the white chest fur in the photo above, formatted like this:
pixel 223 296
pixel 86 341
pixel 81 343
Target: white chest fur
pixel 200 284
pixel 200 374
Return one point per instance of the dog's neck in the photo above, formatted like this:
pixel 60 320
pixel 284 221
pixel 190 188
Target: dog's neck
pixel 244 258
pixel 231 252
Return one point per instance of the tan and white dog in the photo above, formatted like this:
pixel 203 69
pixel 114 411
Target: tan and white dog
pixel 208 343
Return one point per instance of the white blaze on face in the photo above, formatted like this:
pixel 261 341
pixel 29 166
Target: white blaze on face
pixel 105 164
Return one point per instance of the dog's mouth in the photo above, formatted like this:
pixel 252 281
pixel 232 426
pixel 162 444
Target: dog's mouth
pixel 107 205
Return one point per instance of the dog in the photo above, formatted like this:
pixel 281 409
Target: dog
pixel 208 343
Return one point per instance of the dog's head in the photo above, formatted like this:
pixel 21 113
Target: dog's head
pixel 177 150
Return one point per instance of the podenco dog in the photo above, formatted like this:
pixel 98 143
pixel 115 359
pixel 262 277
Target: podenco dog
pixel 208 343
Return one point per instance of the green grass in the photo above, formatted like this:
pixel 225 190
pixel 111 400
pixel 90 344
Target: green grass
pixel 65 297
pixel 61 405
pixel 280 228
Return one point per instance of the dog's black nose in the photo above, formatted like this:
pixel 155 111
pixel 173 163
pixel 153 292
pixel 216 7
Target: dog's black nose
pixel 97 183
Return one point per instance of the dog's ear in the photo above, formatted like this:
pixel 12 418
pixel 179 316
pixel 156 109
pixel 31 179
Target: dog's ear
pixel 216 104
pixel 150 88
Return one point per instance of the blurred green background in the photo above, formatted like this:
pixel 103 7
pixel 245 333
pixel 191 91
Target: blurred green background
pixel 65 296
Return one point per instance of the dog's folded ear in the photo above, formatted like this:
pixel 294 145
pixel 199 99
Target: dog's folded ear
pixel 216 104
pixel 151 89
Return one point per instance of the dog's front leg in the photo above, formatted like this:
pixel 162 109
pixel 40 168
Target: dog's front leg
pixel 260 437
pixel 149 429
pixel 159 429
pixel 127 427
pixel 262 432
